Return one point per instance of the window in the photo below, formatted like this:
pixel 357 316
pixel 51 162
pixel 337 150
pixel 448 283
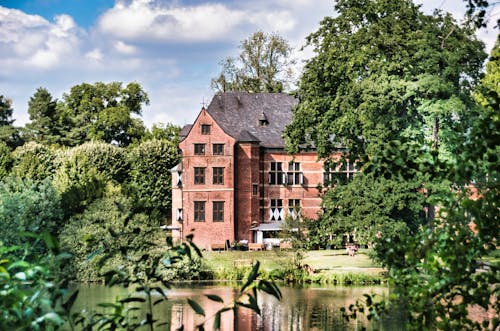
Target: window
pixel 218 211
pixel 294 208
pixel 276 174
pixel 199 175
pixel 199 149
pixel 218 149
pixel 294 175
pixel 205 129
pixel 218 175
pixel 255 189
pixel 340 175
pixel 199 211
pixel 276 210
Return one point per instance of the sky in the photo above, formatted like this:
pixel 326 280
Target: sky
pixel 172 48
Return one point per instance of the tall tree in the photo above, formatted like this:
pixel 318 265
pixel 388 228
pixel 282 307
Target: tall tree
pixel 150 177
pixel 263 65
pixel 394 88
pixel 103 112
pixel 439 271
pixel 384 70
pixel 8 133
pixel 44 126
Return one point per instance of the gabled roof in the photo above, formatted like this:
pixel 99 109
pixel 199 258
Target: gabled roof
pixel 253 117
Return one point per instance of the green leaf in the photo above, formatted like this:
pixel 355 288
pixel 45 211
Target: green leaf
pixel 196 307
pixel 251 277
pixel 158 301
pixel 71 300
pixel 215 298
pixel 132 299
pixel 217 321
pixel 270 288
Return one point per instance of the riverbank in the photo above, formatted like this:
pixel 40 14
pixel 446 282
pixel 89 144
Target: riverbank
pixel 322 267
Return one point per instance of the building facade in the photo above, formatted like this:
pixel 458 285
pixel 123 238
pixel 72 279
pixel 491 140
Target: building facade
pixel 235 181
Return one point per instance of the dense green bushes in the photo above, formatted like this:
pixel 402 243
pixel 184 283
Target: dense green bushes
pixel 87 195
pixel 28 206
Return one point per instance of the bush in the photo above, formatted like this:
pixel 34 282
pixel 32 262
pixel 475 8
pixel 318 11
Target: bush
pixel 28 206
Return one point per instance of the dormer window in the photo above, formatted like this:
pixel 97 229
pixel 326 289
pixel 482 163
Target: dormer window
pixel 205 129
pixel 263 119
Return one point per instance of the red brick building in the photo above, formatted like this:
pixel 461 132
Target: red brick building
pixel 235 181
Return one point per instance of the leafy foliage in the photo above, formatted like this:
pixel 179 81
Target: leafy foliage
pixel 367 205
pixel 45 126
pixel 6 160
pixel 28 206
pixel 32 295
pixel 8 133
pixel 79 184
pixel 34 161
pixel 103 112
pixel 150 177
pixel 262 66
pixel 104 226
pixel 382 71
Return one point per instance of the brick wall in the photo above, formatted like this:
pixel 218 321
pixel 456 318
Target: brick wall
pixel 208 232
pixel 247 198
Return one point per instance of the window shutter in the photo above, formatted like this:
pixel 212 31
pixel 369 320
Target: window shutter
pixel 179 178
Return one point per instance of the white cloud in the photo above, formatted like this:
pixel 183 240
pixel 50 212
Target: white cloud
pixel 94 55
pixel 150 20
pixel 146 20
pixel 31 41
pixel 124 48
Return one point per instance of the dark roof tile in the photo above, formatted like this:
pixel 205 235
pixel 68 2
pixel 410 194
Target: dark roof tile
pixel 237 112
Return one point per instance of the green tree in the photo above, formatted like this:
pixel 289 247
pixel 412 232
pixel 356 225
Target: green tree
pixel 78 184
pixel 109 160
pixel 263 65
pixel 28 206
pixel 106 225
pixel 8 133
pixel 478 10
pixel 6 160
pixel 103 112
pixel 366 206
pixel 44 116
pixel 384 70
pixel 34 161
pixel 163 131
pixel 150 177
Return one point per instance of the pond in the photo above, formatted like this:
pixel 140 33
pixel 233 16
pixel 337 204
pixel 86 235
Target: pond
pixel 302 308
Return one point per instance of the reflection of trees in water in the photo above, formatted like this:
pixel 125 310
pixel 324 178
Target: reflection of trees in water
pixel 301 308
pixel 315 309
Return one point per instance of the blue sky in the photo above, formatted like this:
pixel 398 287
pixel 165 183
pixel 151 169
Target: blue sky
pixel 171 47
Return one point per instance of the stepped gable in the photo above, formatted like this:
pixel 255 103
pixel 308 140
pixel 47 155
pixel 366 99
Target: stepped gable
pixel 258 117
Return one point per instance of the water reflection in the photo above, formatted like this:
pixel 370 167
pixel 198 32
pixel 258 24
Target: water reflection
pixel 305 308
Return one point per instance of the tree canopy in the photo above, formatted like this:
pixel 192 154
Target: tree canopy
pixel 263 65
pixel 384 70
pixel 102 112
pixel 44 126
pixel 8 133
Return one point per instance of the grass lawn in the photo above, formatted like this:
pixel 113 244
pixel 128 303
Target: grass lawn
pixel 323 260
